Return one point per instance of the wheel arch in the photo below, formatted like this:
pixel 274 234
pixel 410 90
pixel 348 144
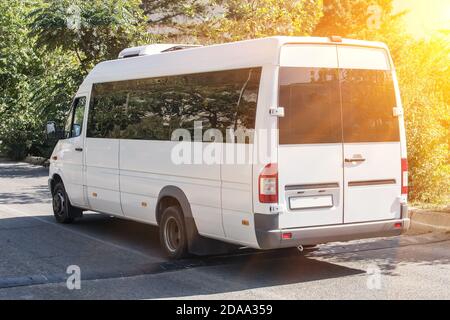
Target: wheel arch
pixel 172 195
pixel 197 244
pixel 56 178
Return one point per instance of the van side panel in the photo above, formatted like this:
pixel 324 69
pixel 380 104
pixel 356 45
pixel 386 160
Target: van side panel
pixel 102 175
pixel 265 148
pixel 237 206
pixel 238 177
pixel 146 167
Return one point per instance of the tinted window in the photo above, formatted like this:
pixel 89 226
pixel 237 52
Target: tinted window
pixel 149 113
pixel 107 111
pixel 153 108
pixel 68 124
pixel 368 99
pixel 310 97
pixel 78 116
pixel 74 124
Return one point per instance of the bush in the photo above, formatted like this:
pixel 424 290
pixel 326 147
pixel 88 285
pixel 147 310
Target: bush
pixel 16 143
pixel 423 77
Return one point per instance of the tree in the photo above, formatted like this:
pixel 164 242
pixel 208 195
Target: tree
pixel 48 46
pixel 423 70
pixel 174 19
pixel 351 18
pixel 233 20
pixel 18 64
pixel 94 30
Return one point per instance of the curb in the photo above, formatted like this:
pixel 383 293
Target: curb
pixel 429 221
pixel 38 161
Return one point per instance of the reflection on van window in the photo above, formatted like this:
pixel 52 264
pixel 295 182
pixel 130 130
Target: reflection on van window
pixel 78 115
pixel 310 97
pixel 74 122
pixel 153 108
pixel 368 99
pixel 107 110
pixel 313 108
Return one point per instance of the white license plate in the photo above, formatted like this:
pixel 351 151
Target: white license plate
pixel 311 202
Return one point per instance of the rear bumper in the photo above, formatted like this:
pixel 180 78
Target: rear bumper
pixel 271 239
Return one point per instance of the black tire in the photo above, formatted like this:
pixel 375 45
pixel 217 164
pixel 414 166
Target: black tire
pixel 63 210
pixel 172 233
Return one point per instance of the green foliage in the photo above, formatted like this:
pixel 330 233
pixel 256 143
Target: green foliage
pixel 355 18
pixel 18 64
pixel 249 19
pixel 72 36
pixel 94 30
pixel 176 18
pixel 47 48
pixel 425 88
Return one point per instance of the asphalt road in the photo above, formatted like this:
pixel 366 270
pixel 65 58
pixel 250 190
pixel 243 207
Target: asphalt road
pixel 120 259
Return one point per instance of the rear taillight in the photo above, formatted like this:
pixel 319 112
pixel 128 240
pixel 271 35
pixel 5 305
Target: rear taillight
pixel 268 184
pixel 286 235
pixel 404 177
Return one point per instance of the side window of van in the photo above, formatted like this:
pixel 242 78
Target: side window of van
pixel 74 124
pixel 219 100
pixel 107 110
pixel 78 116
pixel 68 124
pixel 153 108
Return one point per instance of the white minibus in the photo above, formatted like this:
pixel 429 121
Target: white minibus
pixel 268 143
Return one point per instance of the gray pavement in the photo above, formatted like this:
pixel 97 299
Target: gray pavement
pixel 122 260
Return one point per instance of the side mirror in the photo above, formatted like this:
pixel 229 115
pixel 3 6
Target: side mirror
pixel 53 132
pixel 76 130
pixel 51 128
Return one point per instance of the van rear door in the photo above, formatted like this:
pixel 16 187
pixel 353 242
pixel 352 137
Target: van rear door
pixel 372 151
pixel 310 149
pixel 339 155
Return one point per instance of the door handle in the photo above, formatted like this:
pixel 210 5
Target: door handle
pixel 355 160
pixel 79 149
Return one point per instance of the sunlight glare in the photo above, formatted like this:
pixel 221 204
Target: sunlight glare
pixel 425 17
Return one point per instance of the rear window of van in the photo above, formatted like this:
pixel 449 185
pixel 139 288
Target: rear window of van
pixel 330 105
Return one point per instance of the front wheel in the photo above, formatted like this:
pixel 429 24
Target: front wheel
pixel 172 233
pixel 63 211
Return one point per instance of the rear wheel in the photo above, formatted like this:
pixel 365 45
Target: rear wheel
pixel 172 233
pixel 63 211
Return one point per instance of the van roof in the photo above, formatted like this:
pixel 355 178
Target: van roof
pixel 258 52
